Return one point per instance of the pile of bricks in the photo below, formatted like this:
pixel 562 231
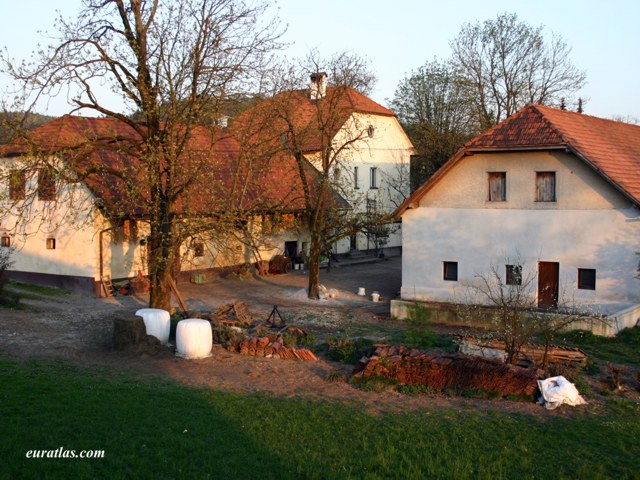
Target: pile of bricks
pixel 268 348
pixel 442 372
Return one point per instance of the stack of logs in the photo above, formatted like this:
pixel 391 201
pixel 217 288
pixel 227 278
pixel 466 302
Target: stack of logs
pixel 443 372
pixel 267 348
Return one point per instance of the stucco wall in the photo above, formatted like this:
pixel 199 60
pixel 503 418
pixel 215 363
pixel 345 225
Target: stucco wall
pixel 389 151
pixel 590 226
pixel 578 187
pixel 69 222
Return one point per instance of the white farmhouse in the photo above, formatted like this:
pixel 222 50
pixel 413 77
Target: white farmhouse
pixel 73 204
pixel 547 193
pixel 370 152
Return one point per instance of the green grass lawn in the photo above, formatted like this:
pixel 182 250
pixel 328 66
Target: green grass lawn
pixel 157 430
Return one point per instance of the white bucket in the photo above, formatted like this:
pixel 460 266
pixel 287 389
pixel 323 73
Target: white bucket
pixel 361 291
pixel 375 296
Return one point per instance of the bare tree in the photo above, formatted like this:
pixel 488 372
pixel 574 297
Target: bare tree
pixel 511 301
pixel 174 63
pixel 505 298
pixel 317 127
pixel 434 106
pixel 510 64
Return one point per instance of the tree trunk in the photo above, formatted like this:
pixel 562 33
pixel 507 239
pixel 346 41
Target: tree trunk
pixel 314 267
pixel 160 273
pixel 162 253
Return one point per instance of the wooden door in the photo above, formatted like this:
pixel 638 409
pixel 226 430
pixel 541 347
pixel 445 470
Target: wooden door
pixel 548 284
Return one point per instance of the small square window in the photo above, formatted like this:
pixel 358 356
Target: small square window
pixel 5 241
pixel 198 249
pixel 514 274
pixel 51 243
pixel 450 271
pixel 587 278
pixel 497 186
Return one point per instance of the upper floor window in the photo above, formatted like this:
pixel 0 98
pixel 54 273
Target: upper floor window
pixel 373 174
pixel 17 185
pixel 46 184
pixel 5 241
pixel 545 186
pixel 355 177
pixel 497 186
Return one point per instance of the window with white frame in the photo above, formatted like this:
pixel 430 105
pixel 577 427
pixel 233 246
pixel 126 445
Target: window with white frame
pixel 373 176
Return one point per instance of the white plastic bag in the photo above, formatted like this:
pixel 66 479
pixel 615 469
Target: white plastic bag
pixel 558 390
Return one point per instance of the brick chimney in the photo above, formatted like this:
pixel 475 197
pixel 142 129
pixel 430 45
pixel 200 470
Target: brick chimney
pixel 318 86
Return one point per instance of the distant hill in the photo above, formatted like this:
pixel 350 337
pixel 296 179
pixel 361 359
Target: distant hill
pixel 13 123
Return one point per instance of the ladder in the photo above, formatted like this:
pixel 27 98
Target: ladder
pixel 107 286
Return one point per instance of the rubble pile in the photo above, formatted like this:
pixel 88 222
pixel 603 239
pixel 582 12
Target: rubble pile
pixel 443 372
pixel 268 348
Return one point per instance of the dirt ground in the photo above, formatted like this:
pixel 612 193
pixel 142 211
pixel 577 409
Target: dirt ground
pixel 79 328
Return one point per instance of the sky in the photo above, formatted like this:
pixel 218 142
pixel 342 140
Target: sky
pixel 398 36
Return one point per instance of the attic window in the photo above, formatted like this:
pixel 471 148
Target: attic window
pixel 497 186
pixel 51 243
pixel 545 186
pixel 370 131
pixel 198 249
pixel 5 241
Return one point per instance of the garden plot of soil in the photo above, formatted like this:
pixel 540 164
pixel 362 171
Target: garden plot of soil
pixel 78 328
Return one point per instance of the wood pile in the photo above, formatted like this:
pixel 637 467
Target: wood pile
pixel 443 372
pixel 234 314
pixel 531 354
pixel 268 348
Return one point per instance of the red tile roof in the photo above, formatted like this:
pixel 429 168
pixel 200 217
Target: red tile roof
pixel 611 148
pixel 226 177
pixel 314 122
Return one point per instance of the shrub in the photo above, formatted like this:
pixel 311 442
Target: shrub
pixel 347 350
pixel 5 264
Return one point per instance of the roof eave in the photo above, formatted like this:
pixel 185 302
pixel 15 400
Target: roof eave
pixel 635 201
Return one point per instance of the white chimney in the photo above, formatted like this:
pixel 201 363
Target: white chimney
pixel 318 86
